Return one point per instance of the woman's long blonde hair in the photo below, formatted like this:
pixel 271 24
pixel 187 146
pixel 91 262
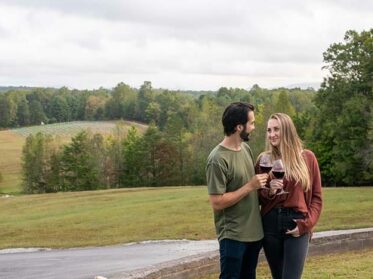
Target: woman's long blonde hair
pixel 290 151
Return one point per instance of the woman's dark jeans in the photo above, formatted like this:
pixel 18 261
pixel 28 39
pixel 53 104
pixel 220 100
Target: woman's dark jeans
pixel 285 254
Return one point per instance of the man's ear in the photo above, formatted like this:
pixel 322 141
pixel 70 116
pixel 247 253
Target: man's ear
pixel 239 128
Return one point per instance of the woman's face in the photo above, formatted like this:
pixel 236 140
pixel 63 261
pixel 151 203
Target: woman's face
pixel 273 132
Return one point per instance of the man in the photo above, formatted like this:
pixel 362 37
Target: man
pixel 232 186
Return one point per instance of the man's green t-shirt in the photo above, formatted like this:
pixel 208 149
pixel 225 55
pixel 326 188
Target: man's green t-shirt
pixel 227 171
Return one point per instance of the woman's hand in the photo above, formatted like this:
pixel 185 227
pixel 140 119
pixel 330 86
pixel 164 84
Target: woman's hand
pixel 275 185
pixel 294 232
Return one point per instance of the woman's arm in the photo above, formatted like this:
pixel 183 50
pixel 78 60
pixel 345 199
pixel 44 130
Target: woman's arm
pixel 314 202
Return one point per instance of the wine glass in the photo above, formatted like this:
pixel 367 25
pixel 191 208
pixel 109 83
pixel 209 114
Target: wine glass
pixel 278 171
pixel 265 165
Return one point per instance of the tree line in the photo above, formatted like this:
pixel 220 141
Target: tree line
pixel 90 161
pixel 172 151
pixel 335 122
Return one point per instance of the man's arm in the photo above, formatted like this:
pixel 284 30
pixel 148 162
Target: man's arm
pixel 222 201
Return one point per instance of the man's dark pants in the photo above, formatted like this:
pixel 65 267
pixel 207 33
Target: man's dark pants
pixel 238 260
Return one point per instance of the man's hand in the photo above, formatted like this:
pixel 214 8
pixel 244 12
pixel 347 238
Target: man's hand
pixel 258 181
pixel 221 201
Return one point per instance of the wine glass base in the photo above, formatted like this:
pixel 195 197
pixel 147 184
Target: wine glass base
pixel 282 193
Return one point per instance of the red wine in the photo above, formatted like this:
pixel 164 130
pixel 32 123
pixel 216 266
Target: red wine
pixel 278 174
pixel 265 169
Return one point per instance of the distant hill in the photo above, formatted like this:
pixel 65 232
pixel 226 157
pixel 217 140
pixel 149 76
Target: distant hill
pixel 197 93
pixel 305 85
pixel 4 89
pixel 194 93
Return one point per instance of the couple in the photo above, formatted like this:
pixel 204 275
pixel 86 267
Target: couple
pixel 283 224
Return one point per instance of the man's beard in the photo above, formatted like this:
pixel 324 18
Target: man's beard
pixel 244 136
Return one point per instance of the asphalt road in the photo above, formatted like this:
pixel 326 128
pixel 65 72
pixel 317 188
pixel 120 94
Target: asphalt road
pixel 90 262
pixel 109 261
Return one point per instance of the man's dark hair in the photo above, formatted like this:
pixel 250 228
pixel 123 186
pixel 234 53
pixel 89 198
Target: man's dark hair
pixel 235 114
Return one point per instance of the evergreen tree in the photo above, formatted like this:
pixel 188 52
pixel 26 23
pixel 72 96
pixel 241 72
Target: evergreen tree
pixel 80 171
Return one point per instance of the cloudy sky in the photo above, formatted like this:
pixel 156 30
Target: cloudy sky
pixel 189 44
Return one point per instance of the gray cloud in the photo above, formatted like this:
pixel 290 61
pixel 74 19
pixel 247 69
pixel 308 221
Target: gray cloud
pixel 180 43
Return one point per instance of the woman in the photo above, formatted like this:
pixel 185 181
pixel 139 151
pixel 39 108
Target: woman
pixel 288 218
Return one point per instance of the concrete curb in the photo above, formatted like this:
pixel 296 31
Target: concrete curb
pixel 206 263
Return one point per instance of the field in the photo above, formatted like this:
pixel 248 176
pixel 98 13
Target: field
pixel 127 215
pixel 351 265
pixel 11 143
pixel 69 129
pixel 10 161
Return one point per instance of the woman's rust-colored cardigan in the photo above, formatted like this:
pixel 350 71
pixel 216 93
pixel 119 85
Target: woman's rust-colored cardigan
pixel 309 203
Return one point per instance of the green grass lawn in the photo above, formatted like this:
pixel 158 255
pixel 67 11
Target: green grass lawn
pixel 349 265
pixel 126 215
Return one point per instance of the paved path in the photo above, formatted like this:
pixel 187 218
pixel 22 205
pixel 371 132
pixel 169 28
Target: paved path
pixel 106 261
pixel 89 262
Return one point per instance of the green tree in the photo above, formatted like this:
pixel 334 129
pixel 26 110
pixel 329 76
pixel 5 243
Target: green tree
pixel 80 170
pixel 76 102
pixel 153 112
pixel 284 105
pixel 151 164
pixel 114 165
pixel 23 113
pixel 8 111
pixel 258 136
pixel 99 159
pixel 54 176
pixel 36 156
pixel 4 112
pixel 207 133
pixel 37 114
pixel 122 104
pixel 133 158
pixel 177 135
pixel 342 129
pixel 145 97
pixel 59 109
pixel 167 102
